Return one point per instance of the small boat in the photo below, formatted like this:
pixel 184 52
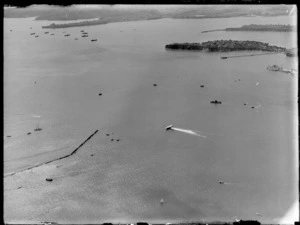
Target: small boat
pixel 66 35
pixel 162 201
pixel 216 102
pixel 221 182
pixel 32 34
pixel 170 127
pixel 274 68
pixel 94 40
pixel 37 128
pixel 223 57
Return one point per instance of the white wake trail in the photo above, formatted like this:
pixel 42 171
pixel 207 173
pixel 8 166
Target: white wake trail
pixel 188 132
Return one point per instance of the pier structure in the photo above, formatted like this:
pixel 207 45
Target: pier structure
pixel 237 56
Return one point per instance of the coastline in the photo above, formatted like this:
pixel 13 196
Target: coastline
pixel 258 28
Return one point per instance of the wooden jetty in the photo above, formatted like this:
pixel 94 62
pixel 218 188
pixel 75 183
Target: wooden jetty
pixel 237 56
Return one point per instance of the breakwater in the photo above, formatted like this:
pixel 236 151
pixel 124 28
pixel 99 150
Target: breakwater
pixel 72 153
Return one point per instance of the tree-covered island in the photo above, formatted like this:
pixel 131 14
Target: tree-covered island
pixel 227 46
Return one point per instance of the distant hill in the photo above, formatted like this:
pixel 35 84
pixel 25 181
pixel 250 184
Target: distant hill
pixel 72 13
pixel 141 12
pixel 259 28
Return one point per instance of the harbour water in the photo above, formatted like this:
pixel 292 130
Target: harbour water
pixel 54 81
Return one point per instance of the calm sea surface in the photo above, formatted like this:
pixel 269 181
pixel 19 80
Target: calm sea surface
pixel 252 150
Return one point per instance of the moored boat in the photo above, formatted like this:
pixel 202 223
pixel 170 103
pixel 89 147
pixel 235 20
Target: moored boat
pixel 274 68
pixel 216 102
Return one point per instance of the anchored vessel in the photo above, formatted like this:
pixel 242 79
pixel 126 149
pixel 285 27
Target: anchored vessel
pixel 277 68
pixel 274 68
pixel 216 102
pixel 37 128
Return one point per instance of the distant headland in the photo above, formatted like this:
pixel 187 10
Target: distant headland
pixel 75 24
pixel 227 46
pixel 258 27
pixel 93 22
